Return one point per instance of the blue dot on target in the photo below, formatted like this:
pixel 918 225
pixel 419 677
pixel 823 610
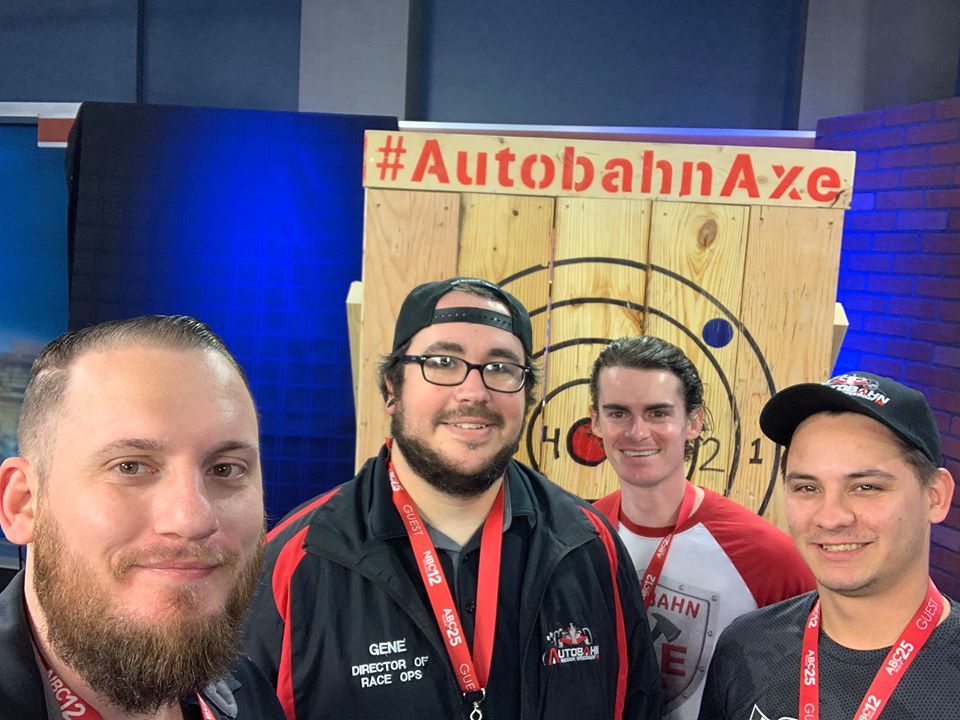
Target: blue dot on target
pixel 717 332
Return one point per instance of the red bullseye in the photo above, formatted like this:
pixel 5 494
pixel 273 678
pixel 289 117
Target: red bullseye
pixel 585 447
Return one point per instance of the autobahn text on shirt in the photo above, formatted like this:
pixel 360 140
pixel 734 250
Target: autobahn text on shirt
pixel 603 169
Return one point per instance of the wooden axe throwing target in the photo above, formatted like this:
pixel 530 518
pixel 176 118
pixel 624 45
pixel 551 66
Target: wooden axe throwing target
pixel 731 253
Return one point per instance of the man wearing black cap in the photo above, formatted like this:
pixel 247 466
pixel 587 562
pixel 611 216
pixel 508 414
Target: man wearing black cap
pixel 862 488
pixel 446 580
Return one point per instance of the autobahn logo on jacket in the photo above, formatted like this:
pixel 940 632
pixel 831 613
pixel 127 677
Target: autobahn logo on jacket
pixel 570 644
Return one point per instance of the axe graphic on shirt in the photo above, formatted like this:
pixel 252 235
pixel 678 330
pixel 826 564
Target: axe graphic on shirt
pixel 664 627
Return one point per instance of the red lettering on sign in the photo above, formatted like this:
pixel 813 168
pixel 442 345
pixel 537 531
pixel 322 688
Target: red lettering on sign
pixel 706 178
pixel 504 158
pixel 823 184
pixel 787 178
pixel 479 169
pixel 431 162
pixel 526 171
pixel 617 169
pixel 570 161
pixel 741 176
pixel 646 173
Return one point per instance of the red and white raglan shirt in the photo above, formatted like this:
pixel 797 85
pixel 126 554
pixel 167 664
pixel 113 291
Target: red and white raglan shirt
pixel 724 561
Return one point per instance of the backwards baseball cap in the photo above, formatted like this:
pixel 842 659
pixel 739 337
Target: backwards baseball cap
pixel 902 409
pixel 419 311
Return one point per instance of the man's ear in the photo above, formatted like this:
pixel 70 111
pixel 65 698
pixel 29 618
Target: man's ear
pixel 940 492
pixel 593 421
pixel 696 423
pixel 18 494
pixel 391 402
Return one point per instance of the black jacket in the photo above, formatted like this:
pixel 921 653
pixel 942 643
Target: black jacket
pixel 343 628
pixel 22 693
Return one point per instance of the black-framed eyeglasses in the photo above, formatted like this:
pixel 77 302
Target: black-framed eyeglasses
pixel 497 375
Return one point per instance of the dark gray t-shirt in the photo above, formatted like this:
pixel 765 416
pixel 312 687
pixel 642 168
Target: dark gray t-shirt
pixel 755 673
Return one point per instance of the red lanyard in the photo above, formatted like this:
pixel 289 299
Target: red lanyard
pixel 76 708
pixel 903 652
pixel 472 673
pixel 652 575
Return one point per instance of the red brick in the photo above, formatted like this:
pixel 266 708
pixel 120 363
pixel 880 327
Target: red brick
pixel 950 312
pixel 948 154
pixel 954 223
pixel 948 288
pixel 866 161
pixel 942 198
pixel 920 220
pixel 955 426
pixel 941 242
pixel 948 400
pixel 919 265
pixel 946 537
pixel 847 123
pixel 852 281
pixel 907 157
pixel 950 446
pixel 933 133
pixel 945 355
pixel 942 420
pixel 902 285
pixel 935 332
pixel 879 139
pixel 896 242
pixel 863 201
pixel 898 200
pixel 882 365
pixel 853 242
pixel 912 307
pixel 945 109
pixel 865 302
pixel 931 376
pixel 950 266
pixel 927 177
pixel 867 262
pixel 908 114
pixel 909 350
pixel 872 221
pixel 887 326
pixel 946 560
pixel 945 582
pixel 862 342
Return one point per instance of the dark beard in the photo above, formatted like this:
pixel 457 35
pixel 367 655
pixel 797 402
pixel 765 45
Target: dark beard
pixel 439 472
pixel 133 664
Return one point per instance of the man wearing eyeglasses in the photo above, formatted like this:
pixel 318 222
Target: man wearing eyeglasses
pixel 447 580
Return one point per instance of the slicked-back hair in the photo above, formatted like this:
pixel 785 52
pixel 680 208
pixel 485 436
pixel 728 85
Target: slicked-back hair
pixel 51 370
pixel 646 352
pixel 391 369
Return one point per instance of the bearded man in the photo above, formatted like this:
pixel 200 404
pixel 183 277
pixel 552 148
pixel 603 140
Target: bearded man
pixel 138 493
pixel 447 580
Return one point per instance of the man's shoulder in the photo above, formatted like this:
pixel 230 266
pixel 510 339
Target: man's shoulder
pixel 245 692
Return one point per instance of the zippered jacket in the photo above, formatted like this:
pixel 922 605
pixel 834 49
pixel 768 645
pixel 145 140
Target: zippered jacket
pixel 342 626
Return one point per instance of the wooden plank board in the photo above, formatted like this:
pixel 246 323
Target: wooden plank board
pixel 597 296
pixel 506 239
pixel 697 257
pixel 788 306
pixel 408 238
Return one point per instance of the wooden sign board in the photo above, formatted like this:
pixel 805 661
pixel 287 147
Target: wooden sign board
pixel 740 272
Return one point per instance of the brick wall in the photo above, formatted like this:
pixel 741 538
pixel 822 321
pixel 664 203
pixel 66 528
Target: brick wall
pixel 900 270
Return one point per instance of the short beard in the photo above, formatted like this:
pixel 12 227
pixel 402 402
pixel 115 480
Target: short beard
pixel 436 470
pixel 136 665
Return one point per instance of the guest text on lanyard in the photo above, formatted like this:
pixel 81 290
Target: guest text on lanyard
pixel 652 575
pixel 472 673
pixel 901 655
pixel 74 707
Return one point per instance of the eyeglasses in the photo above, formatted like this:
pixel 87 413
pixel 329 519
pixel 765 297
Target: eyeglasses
pixel 506 377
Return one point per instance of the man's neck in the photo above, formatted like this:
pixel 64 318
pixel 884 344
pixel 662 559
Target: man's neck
pixel 656 506
pixel 872 622
pixel 80 687
pixel 456 516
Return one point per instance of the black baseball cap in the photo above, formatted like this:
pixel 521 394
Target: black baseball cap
pixel 419 311
pixel 902 409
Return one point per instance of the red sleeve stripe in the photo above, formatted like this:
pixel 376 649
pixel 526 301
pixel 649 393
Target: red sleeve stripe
pixel 623 670
pixel 300 513
pixel 290 556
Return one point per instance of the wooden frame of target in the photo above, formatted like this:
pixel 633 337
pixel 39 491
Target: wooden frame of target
pixel 731 253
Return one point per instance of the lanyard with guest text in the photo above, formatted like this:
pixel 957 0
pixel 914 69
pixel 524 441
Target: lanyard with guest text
pixel 901 655
pixel 74 707
pixel 652 575
pixel 472 673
